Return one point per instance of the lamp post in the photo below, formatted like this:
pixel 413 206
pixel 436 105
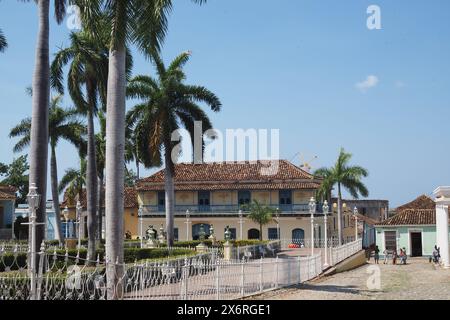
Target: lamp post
pixel 312 211
pixel 188 221
pixel 33 203
pixel 241 222
pixel 355 216
pixel 141 231
pixel 278 224
pixel 325 220
pixel 79 209
pixel 66 218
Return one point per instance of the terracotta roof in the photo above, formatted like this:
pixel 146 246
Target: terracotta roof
pixel 130 200
pixel 232 175
pixel 7 192
pixel 423 202
pixel 411 217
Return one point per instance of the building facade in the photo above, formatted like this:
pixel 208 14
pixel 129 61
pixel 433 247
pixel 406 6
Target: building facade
pixel 213 194
pixel 412 227
pixel 7 205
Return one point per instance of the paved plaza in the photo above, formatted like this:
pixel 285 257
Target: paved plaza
pixel 419 280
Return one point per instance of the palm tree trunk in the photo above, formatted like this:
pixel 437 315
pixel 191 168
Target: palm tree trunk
pixel 39 122
pixel 91 177
pixel 55 196
pixel 100 207
pixel 339 214
pixel 260 232
pixel 115 142
pixel 138 176
pixel 170 195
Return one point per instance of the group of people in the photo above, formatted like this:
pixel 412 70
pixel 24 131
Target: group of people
pixel 390 254
pixel 436 255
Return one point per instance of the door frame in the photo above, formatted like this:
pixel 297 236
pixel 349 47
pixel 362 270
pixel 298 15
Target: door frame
pixel 415 230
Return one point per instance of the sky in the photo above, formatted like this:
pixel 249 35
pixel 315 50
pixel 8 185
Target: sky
pixel 310 68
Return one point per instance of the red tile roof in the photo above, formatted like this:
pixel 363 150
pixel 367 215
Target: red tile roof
pixel 130 200
pixel 422 202
pixel 7 192
pixel 232 176
pixel 421 211
pixel 411 217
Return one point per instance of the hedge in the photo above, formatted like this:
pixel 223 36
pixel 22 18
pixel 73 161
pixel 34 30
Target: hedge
pixel 130 256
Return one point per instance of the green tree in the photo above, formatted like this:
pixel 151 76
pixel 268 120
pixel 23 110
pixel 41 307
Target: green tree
pixel 260 214
pixel 74 181
pixel 86 82
pixel 39 117
pixel 344 176
pixel 63 125
pixel 144 24
pixel 168 104
pixel 3 42
pixel 16 175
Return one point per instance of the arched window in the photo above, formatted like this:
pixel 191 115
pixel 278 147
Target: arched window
pixel 298 235
pixel 196 231
pixel 253 234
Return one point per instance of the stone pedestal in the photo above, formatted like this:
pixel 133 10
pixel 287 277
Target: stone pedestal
pixel 227 251
pixel 202 248
pixel 71 244
pixel 442 195
pixel 151 244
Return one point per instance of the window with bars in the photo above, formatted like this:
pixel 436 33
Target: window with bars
pixel 390 240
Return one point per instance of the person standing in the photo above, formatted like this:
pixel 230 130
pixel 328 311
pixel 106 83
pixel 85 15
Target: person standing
pixel 394 257
pixel 377 255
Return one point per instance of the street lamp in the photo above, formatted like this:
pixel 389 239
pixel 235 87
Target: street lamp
pixel 188 221
pixel 278 224
pixel 325 220
pixel 241 222
pixel 33 203
pixel 355 216
pixel 66 218
pixel 79 208
pixel 141 231
pixel 312 211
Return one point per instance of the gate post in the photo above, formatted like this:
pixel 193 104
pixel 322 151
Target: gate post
pixel 217 280
pixel 261 286
pixel 243 276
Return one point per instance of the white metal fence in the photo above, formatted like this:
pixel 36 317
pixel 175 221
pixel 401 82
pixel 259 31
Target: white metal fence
pixel 208 276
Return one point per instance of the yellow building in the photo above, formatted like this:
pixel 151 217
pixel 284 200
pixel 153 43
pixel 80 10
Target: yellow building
pixel 213 194
pixel 130 212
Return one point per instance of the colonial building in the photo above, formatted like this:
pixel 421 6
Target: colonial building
pixel 7 204
pixel 412 227
pixel 376 210
pixel 130 215
pixel 212 195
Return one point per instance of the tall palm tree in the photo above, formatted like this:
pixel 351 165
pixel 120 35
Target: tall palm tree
pixel 3 42
pixel 88 60
pixel 143 23
pixel 100 142
pixel 40 104
pixel 344 176
pixel 74 181
pixel 168 105
pixel 63 125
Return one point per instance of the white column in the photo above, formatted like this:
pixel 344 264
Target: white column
pixel 442 195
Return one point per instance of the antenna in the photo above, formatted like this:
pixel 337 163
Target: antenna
pixel 307 165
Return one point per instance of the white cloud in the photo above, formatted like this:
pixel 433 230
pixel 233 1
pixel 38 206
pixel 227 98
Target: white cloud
pixel 365 85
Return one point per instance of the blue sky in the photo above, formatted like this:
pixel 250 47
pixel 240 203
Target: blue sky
pixel 294 65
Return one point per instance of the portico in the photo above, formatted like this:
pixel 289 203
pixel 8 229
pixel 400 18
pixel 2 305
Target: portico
pixel 442 195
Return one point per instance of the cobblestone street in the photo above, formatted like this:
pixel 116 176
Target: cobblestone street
pixel 419 280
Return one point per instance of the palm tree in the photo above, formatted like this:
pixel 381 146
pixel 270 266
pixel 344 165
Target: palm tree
pixel 88 59
pixel 345 176
pixel 63 125
pixel 74 181
pixel 39 117
pixel 3 43
pixel 261 215
pixel 100 142
pixel 143 23
pixel 168 105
